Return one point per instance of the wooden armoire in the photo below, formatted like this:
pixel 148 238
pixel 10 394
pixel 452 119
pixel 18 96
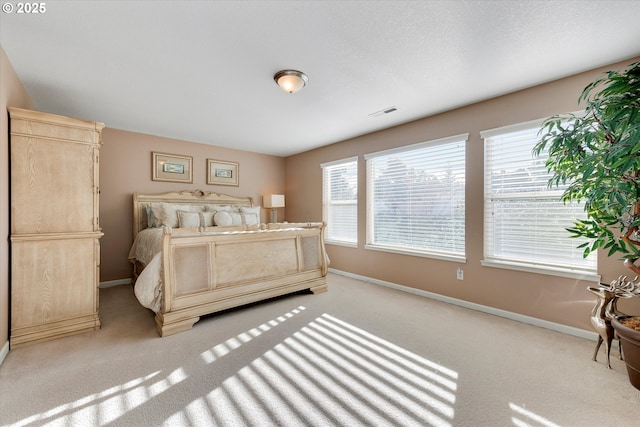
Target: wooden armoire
pixel 55 229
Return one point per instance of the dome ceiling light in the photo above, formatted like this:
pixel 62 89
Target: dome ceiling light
pixel 291 81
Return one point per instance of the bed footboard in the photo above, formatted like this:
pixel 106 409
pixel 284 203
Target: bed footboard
pixel 208 271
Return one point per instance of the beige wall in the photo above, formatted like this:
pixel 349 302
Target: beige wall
pixel 547 297
pixel 12 94
pixel 125 168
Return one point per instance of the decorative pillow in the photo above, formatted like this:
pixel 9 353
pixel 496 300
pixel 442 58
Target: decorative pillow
pixel 167 213
pixel 207 219
pixel 225 219
pixel 156 215
pixel 150 219
pixel 255 210
pixel 189 219
pixel 250 218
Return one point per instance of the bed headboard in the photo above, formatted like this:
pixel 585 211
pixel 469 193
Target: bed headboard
pixel 185 197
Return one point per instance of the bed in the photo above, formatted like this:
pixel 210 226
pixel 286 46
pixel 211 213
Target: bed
pixel 186 266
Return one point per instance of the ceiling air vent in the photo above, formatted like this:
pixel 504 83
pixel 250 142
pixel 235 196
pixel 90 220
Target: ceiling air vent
pixel 383 112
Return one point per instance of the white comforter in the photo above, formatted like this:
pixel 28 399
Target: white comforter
pixel 147 249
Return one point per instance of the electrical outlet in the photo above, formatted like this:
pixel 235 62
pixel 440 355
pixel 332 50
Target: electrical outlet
pixel 460 274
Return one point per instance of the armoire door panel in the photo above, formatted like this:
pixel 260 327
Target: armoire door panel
pixel 52 280
pixel 52 186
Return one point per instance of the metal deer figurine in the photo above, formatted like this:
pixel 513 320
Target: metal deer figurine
pixel 600 321
pixel 606 309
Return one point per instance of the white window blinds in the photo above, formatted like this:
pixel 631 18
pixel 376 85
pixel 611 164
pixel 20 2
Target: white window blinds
pixel 525 221
pixel 416 199
pixel 340 201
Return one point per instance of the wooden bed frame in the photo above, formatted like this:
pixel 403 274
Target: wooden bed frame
pixel 206 270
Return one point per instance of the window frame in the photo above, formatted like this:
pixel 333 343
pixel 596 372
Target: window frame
pixel 370 212
pixel 512 263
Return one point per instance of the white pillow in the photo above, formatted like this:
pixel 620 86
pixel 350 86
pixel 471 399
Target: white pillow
pixel 225 219
pixel 255 210
pixel 168 213
pixel 250 218
pixel 189 219
pixel 207 219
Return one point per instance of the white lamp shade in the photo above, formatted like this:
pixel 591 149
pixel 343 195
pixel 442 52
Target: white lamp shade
pixel 273 201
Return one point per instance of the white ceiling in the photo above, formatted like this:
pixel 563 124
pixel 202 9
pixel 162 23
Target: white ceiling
pixel 202 71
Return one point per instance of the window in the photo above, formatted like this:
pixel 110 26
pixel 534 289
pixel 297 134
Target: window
pixel 340 201
pixel 416 199
pixel 525 221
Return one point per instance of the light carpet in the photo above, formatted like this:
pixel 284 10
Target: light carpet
pixel 358 355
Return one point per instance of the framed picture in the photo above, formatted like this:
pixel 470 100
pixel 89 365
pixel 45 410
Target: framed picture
pixel 222 173
pixel 172 168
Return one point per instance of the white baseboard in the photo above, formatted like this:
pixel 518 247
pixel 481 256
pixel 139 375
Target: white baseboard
pixel 558 327
pixel 111 283
pixel 4 351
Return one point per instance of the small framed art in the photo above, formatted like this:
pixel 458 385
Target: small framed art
pixel 222 173
pixel 172 167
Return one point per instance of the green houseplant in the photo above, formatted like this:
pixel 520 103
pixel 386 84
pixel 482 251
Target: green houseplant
pixel 598 155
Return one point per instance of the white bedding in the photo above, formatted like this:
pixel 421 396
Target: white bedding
pixel 147 249
pixel 147 244
pixel 148 287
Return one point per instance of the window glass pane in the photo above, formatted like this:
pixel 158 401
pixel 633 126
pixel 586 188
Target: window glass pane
pixel 340 201
pixel 525 221
pixel 416 198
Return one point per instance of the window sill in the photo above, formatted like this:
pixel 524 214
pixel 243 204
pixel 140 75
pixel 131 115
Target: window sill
pixel 434 255
pixel 532 268
pixel 339 243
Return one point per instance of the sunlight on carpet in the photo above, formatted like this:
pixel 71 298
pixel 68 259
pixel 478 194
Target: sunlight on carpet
pixel 329 372
pixel 226 347
pixel 526 418
pixel 108 405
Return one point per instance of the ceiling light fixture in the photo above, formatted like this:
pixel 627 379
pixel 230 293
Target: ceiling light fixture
pixel 291 80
